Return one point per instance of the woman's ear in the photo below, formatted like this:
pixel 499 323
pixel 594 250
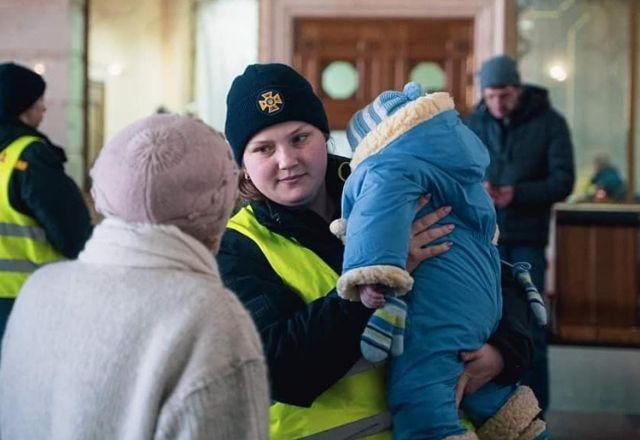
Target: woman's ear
pixel 329 143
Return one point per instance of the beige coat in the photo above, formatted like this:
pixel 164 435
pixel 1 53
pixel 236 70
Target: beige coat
pixel 137 339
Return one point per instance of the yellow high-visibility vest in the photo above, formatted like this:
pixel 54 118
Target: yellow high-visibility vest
pixel 355 406
pixel 23 244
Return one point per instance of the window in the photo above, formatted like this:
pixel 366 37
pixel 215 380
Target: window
pixel 580 52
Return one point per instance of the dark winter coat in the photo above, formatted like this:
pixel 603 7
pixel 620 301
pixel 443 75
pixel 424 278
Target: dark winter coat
pixel 309 347
pixel 45 192
pixel 532 151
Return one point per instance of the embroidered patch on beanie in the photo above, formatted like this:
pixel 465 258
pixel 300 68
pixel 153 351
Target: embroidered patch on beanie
pixel 271 102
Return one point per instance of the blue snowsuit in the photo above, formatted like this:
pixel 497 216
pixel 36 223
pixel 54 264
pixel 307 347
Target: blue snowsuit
pixel 455 303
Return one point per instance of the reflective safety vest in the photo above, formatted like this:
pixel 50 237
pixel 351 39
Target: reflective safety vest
pixel 23 244
pixel 355 406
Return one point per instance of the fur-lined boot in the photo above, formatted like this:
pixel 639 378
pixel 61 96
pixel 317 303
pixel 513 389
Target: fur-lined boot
pixel 516 420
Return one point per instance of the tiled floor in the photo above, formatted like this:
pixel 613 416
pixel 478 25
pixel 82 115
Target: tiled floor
pixel 566 425
pixel 595 393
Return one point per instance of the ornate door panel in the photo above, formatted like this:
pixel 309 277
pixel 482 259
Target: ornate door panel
pixel 350 61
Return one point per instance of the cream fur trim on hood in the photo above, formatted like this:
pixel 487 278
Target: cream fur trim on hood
pixel 414 113
pixel 390 276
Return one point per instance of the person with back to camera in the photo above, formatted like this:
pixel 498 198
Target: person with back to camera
pixel 138 338
pixel 279 256
pixel 531 168
pixel 43 217
pixel 405 144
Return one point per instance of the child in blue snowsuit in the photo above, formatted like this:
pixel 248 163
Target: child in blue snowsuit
pixel 406 145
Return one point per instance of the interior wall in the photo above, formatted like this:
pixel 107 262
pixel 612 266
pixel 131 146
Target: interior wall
pixel 48 35
pixel 227 41
pixel 143 53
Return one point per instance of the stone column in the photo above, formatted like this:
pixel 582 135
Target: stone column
pixel 49 37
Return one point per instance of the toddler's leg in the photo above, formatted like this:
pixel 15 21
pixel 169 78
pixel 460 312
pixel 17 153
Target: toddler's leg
pixel 427 412
pixel 484 403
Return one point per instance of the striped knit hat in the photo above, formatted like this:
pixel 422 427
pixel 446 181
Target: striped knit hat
pixel 391 115
pixel 385 105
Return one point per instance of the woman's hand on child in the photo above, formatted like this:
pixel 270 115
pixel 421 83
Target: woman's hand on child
pixel 422 234
pixel 371 295
pixel 480 367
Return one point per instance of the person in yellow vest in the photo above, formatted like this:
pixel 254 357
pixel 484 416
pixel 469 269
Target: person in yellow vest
pixel 281 259
pixel 43 216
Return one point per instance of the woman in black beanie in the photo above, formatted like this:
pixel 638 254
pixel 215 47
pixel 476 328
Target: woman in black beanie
pixel 279 256
pixel 43 217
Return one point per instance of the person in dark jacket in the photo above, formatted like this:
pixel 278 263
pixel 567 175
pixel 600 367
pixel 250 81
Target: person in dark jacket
pixel 43 216
pixel 281 259
pixel 607 181
pixel 531 169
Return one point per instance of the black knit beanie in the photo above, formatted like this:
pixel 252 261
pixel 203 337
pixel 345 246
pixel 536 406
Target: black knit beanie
pixel 265 95
pixel 20 87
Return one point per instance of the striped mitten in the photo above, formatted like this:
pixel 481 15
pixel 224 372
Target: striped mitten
pixel 521 273
pixel 384 333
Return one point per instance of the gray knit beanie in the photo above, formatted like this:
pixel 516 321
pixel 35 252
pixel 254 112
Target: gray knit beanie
pixel 168 169
pixel 499 71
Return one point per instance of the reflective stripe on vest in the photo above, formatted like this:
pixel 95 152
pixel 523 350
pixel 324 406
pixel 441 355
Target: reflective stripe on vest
pixel 17 266
pixel 23 243
pixel 363 428
pixel 33 232
pixel 353 407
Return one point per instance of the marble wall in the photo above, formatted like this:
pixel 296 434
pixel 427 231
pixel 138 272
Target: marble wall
pixel 49 35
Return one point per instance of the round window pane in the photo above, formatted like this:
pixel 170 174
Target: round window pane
pixel 340 80
pixel 430 75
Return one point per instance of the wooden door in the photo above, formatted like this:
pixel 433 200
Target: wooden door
pixel 384 54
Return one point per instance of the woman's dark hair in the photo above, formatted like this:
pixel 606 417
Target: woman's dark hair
pixel 248 190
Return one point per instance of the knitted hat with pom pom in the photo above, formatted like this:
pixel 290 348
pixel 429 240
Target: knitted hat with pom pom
pixel 389 116
pixel 168 169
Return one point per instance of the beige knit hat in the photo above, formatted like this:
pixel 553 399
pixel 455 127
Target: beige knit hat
pixel 168 169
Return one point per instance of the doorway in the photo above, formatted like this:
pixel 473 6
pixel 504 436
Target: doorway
pixel 349 61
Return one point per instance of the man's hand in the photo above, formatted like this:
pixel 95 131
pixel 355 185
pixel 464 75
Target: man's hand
pixel 501 196
pixel 480 367
pixel 504 196
pixel 422 234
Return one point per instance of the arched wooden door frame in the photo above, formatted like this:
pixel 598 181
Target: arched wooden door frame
pixel 494 21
